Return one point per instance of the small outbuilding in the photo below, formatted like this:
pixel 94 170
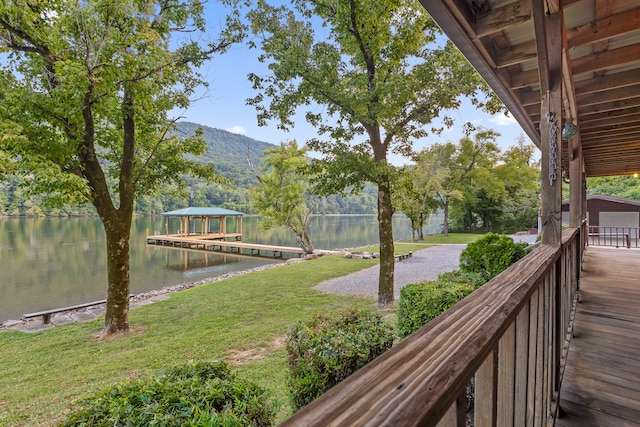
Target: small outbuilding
pixel 608 211
pixel 204 223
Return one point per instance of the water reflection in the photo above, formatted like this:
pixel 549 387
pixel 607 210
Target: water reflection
pixel 56 262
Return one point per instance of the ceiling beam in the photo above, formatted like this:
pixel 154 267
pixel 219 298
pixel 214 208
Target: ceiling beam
pixel 625 115
pixel 609 106
pixel 603 29
pixel 517 54
pixel 528 96
pixel 609 95
pixel 619 135
pixel 609 81
pixel 606 59
pixel 502 18
pixel 614 121
pixel 524 79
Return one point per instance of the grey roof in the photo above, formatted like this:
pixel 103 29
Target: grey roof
pixel 199 211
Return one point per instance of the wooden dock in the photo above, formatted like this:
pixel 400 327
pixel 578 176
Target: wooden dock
pixel 601 385
pixel 213 243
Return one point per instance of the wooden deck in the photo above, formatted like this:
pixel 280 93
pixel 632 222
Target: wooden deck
pixel 601 385
pixel 211 243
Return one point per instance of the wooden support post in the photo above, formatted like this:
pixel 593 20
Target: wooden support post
pixel 549 29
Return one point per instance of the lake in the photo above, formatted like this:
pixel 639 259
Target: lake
pixel 57 262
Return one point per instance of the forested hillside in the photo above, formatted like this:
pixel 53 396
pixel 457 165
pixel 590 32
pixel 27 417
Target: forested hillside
pixel 227 151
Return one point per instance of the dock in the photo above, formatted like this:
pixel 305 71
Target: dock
pixel 214 243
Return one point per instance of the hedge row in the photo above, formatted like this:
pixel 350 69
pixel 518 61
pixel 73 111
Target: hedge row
pixel 330 347
pixel 421 302
pixel 198 394
pixel 479 262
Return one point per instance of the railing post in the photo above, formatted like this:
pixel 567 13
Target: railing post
pixel 486 391
pixel 506 376
pixel 456 415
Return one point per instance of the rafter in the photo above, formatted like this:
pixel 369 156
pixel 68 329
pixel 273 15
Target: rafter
pixel 609 95
pixel 607 82
pixel 607 59
pixel 503 17
pixel 609 106
pixel 524 79
pixel 627 115
pixel 605 28
pixel 516 54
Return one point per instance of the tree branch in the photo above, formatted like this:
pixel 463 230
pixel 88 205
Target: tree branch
pixel 38 48
pixel 153 151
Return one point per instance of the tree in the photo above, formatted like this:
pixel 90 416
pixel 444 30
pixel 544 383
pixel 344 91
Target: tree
pixel 519 174
pixel 620 186
pixel 482 192
pixel 436 174
pixel 283 192
pixel 381 73
pixel 86 88
pixel 500 192
pixel 413 199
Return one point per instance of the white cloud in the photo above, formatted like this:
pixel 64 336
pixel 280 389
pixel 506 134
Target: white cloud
pixel 237 129
pixel 501 120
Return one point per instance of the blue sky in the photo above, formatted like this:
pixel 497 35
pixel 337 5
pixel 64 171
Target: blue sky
pixel 223 106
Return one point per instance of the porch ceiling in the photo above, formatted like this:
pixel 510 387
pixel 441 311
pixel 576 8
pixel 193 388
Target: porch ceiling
pixel 601 69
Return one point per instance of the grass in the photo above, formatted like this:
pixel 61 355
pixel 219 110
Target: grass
pixel 241 320
pixel 451 239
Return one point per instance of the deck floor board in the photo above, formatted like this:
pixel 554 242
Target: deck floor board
pixel 601 385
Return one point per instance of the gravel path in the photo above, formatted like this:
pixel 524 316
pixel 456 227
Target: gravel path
pixel 424 265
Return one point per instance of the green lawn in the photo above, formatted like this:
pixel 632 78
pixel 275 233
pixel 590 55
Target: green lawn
pixel 242 320
pixel 452 238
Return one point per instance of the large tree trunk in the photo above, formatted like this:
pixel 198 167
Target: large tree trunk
pixel 385 231
pixel 118 232
pixel 445 229
pixel 117 222
pixel 385 217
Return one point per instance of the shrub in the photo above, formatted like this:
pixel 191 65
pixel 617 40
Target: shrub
pixel 330 347
pixel 198 394
pixel 421 302
pixel 459 276
pixel 491 255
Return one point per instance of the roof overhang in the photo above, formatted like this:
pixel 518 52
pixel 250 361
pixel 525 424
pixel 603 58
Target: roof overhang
pixel 600 73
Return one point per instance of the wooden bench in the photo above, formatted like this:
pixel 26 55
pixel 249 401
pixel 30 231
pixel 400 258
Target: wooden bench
pixel 404 256
pixel 46 314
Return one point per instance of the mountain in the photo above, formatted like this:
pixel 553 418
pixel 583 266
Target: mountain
pixel 228 152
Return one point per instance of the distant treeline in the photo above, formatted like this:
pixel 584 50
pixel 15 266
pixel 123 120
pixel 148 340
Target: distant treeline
pixel 227 151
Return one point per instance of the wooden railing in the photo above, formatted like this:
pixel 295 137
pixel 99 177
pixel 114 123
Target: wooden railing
pixel 628 237
pixel 511 336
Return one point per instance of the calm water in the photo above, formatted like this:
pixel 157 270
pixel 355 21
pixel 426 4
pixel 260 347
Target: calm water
pixel 57 262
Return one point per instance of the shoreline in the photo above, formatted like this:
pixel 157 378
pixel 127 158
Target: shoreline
pixel 93 312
